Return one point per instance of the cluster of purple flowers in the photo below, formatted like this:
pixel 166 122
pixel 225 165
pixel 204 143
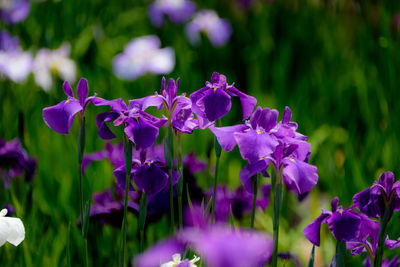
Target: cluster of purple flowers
pixel 262 141
pixel 363 229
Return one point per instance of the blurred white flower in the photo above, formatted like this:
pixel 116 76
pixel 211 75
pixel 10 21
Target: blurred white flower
pixel 143 55
pixel 11 229
pixel 176 260
pixel 53 62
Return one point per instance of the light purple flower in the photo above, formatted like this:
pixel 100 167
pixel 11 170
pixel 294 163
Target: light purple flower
pixel 218 30
pixel 49 62
pixel 15 63
pixel 14 11
pixel 60 117
pixel 395 262
pixel 143 55
pixel 178 11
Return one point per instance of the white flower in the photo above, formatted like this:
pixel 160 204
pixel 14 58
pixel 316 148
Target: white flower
pixel 143 55
pixel 15 65
pixel 11 229
pixel 53 62
pixel 176 260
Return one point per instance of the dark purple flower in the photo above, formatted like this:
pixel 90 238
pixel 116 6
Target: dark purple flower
pixel 150 176
pixel 217 30
pixel 373 200
pixel 213 101
pixel 14 11
pixel 60 117
pixel 178 11
pixel 140 127
pixel 344 224
pixel 14 161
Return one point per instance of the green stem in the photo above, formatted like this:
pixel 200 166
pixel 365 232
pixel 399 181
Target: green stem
pixel 276 181
pixel 171 200
pixel 253 207
pixel 340 251
pixel 218 156
pixel 180 182
pixel 128 167
pixel 81 150
pixel 381 240
pixel 169 157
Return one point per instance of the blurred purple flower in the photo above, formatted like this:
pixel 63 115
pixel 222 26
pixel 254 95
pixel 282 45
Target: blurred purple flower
pixel 15 63
pixel 344 224
pixel 143 55
pixel 218 30
pixel 60 117
pixel 140 127
pixel 178 11
pixel 14 11
pixel 14 160
pixel 53 62
pixel 395 262
pixel 373 200
pixel 213 101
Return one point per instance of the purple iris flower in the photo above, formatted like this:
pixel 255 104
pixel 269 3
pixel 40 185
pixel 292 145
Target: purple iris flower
pixel 14 161
pixel 262 141
pixel 140 127
pixel 344 224
pixel 214 100
pixel 14 11
pixel 60 117
pixel 373 200
pixel 217 30
pixel 178 108
pixel 178 11
pixel 150 176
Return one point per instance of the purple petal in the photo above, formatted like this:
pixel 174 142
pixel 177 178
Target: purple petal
pixel 150 179
pixel 312 231
pixel 366 202
pixel 249 171
pixel 141 132
pixel 299 176
pixel 68 89
pixel 60 117
pixel 116 105
pixel 392 244
pixel 248 102
pixel 89 158
pixel 198 108
pixel 216 103
pixel 253 145
pixel 344 225
pixel 82 91
pixel 145 102
pixel 264 118
pixel 225 135
pixel 103 131
pixel 156 15
pixel 159 253
pixel 120 175
pixel 287 115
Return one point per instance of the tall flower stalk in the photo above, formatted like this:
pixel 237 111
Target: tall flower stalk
pixel 128 167
pixel 218 150
pixel 169 156
pixel 253 205
pixel 179 186
pixel 276 182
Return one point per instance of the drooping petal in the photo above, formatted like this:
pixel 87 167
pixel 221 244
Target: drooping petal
pixel 119 174
pixel 344 225
pixel 300 177
pixel 248 102
pixel 159 253
pixel 150 179
pixel 116 105
pixel 145 102
pixel 254 145
pixel 312 231
pixel 198 109
pixel 141 132
pixel 82 90
pixel 366 203
pixel 249 171
pixel 216 104
pixel 60 117
pixel 225 135
pixel 392 244
pixel 103 131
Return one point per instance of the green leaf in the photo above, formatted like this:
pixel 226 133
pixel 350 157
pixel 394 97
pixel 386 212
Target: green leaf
pixel 312 255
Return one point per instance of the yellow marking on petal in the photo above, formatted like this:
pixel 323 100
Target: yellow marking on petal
pixel 291 159
pixel 136 118
pixel 69 100
pixel 340 211
pixel 261 158
pixel 149 163
pixel 215 89
pixel 258 131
